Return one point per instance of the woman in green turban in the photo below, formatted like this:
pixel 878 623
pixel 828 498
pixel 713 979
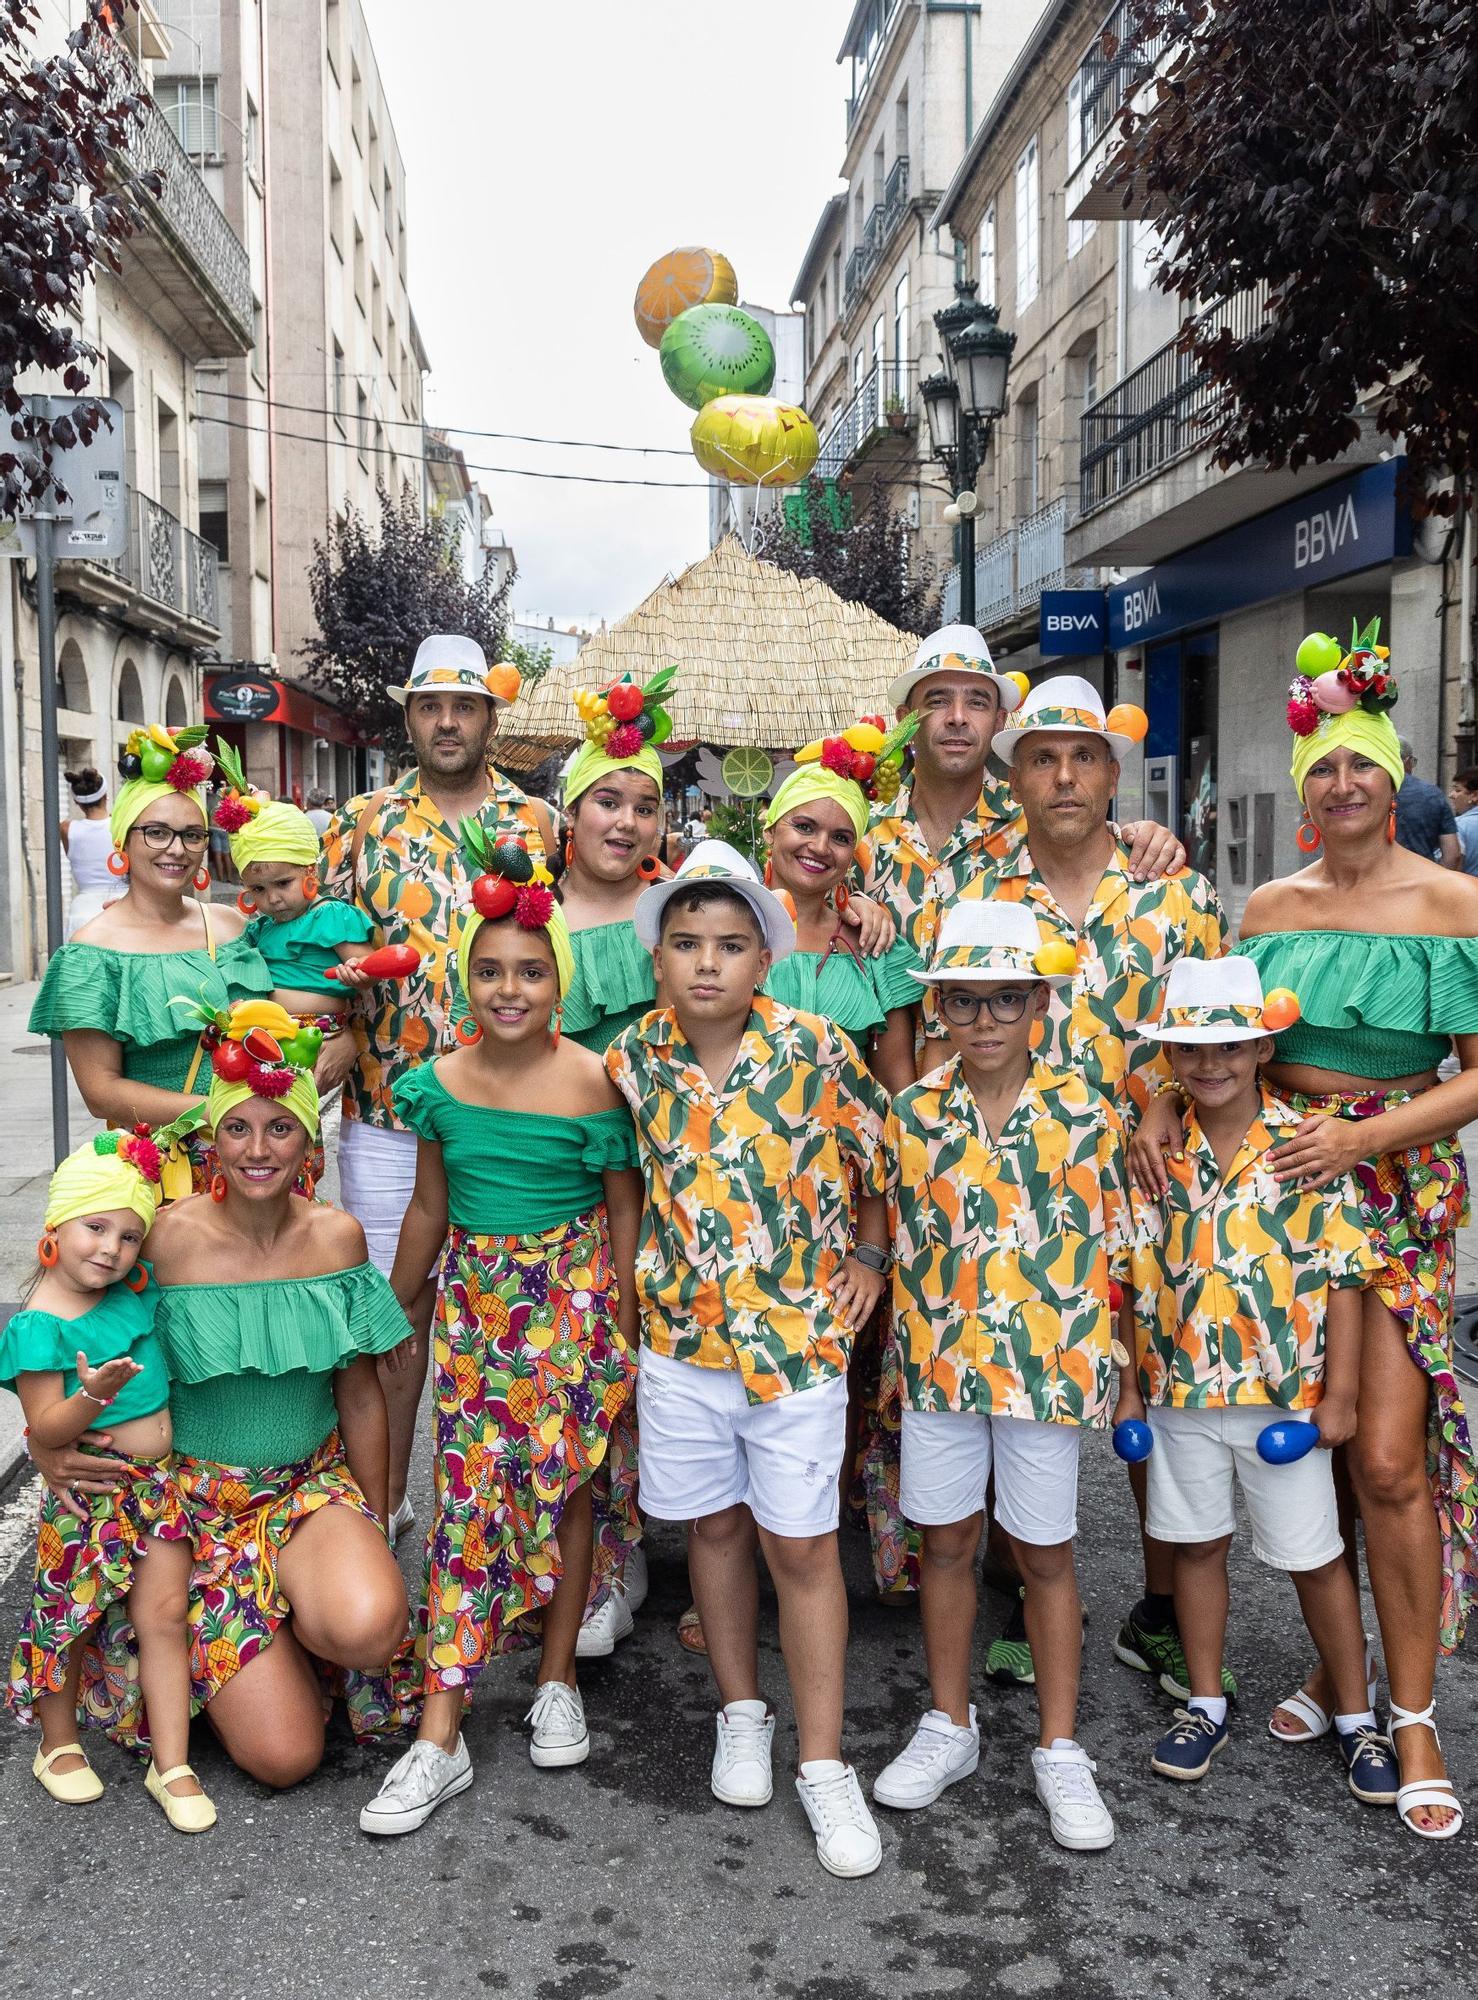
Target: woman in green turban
pixel 110 991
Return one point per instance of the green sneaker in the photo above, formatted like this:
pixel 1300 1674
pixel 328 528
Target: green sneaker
pixel 1159 1652
pixel 1009 1658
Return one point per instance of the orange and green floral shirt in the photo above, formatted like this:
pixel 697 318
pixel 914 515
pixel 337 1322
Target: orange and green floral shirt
pixel 413 881
pixel 1232 1274
pixel 1004 1249
pixel 1131 934
pixel 750 1192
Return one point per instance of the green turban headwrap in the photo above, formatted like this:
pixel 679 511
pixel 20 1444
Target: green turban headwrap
pixel 1373 736
pixel 592 764
pixel 811 781
pixel 89 1182
pixel 300 1098
pixel 279 832
pixel 555 929
pixel 134 800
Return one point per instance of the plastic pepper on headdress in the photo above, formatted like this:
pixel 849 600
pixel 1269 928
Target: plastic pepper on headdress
pixel 1329 683
pixel 170 757
pixel 508 882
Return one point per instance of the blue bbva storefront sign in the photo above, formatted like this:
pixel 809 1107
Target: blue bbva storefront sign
pixel 1352 525
pixel 1072 622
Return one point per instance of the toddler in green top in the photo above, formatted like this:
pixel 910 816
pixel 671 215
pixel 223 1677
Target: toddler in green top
pixel 85 1345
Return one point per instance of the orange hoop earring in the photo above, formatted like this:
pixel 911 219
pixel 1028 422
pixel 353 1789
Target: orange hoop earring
pixel 841 898
pixel 202 880
pixel 649 869
pixel 117 862
pixel 137 1279
pixel 245 904
pixel 1391 823
pixel 467 1032
pixel 48 1250
pixel 1308 837
pixel 218 1187
pixel 310 888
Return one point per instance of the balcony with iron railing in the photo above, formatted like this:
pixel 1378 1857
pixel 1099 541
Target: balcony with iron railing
pixel 1013 569
pixel 881 402
pixel 166 581
pixel 1121 57
pixel 877 232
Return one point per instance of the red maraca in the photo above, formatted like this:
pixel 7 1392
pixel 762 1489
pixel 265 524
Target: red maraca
pixel 391 961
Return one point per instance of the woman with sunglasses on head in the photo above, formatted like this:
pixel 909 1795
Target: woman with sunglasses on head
pixel 110 991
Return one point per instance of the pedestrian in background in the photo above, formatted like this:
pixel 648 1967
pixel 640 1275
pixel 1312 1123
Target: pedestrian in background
pixel 1424 819
pixel 87 844
pixel 1463 798
pixel 318 812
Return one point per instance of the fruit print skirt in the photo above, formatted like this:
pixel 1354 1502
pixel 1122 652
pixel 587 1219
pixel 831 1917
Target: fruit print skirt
pixel 872 1494
pixel 240 1520
pixel 1414 1203
pixel 84 1570
pixel 531 1374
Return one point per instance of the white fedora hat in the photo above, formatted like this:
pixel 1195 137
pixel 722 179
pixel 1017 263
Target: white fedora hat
pixel 1066 705
pixel 983 942
pixel 716 861
pixel 1212 1000
pixel 447 660
pixel 953 649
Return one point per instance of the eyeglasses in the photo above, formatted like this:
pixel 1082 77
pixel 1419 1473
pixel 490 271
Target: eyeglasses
pixel 160 838
pixel 1003 1003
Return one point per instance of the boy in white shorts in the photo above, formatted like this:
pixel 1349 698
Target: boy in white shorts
pixel 1010 1223
pixel 753 1122
pixel 1247 1309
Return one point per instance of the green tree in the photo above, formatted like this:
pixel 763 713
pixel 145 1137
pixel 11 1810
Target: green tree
pixel 867 558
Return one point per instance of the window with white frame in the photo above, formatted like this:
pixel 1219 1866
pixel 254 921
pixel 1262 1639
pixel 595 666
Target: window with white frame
pixel 1078 232
pixel 901 340
pixel 1028 226
pixel 190 105
pixel 987 267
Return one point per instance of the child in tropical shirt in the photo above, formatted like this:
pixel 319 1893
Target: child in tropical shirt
pixel 753 1121
pixel 1247 1305
pixel 1010 1223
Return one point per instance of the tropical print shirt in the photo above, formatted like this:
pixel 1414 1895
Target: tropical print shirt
pixel 413 881
pixel 1232 1274
pixel 1131 934
pixel 1005 1249
pixel 750 1192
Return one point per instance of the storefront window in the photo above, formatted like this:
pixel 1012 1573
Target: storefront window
pixel 1181 678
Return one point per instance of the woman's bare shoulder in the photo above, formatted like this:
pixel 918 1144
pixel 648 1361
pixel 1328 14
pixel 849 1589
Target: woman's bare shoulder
pixel 337 1234
pixel 174 1245
pixel 226 920
pixel 1448 902
pixel 1275 906
pixel 584 1075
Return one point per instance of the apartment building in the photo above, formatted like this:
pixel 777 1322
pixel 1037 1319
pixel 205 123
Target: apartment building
pixel 874 272
pixel 454 497
pixel 131 631
pixel 1193 587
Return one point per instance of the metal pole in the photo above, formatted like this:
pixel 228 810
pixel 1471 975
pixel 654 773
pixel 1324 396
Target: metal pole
pixel 51 804
pixel 968 468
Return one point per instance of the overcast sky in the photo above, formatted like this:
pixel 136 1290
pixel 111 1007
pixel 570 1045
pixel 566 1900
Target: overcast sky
pixel 553 150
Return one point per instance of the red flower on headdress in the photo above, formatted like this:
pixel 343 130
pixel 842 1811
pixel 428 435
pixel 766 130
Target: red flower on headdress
pixel 231 815
pixel 1303 711
pixel 266 1080
pixel 188 770
pixel 625 741
pixel 534 907
pixel 838 756
pixel 141 1152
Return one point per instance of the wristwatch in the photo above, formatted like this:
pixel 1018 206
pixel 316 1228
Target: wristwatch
pixel 874 1259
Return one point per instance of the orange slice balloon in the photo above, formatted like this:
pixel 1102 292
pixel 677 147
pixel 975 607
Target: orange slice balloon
pixel 691 276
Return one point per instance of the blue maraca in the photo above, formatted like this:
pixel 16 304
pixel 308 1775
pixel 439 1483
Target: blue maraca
pixel 1285 1443
pixel 1134 1440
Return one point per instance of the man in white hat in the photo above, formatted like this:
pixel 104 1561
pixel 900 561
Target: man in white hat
pixel 397 853
pixel 1011 1222
pixel 1117 936
pixel 954 823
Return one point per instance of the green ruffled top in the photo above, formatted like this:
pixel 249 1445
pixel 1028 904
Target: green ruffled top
pixel 122 1322
pixel 254 1363
pixel 515 1173
pixel 855 997
pixel 613 986
pixel 300 952
pixel 127 994
pixel 1370 1005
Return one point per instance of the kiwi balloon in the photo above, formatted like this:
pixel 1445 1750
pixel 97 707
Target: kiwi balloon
pixel 713 351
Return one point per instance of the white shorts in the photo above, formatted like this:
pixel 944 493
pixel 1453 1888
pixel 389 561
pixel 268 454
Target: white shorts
pixel 947 1461
pixel 377 1177
pixel 1202 1456
pixel 705 1447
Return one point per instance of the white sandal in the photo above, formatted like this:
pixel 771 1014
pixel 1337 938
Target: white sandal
pixel 1436 1792
pixel 1316 1720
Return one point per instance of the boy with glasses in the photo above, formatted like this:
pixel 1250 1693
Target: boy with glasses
pixel 1010 1222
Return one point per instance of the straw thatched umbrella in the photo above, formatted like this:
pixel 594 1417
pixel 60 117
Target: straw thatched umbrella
pixel 764 658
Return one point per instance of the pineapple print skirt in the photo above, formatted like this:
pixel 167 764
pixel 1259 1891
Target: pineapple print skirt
pixel 531 1372
pixel 83 1573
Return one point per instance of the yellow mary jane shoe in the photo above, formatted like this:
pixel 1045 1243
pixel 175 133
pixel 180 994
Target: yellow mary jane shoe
pixel 192 1813
pixel 69 1788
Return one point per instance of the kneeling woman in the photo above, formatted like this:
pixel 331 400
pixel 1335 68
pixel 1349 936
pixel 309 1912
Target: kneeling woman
pixel 271 1317
pixel 524 1153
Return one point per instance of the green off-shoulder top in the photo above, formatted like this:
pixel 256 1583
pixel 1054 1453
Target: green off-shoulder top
pixel 127 994
pixel 1370 1005
pixel 253 1363
pixel 613 986
pixel 515 1173
pixel 122 1322
pixel 301 953
pixel 855 996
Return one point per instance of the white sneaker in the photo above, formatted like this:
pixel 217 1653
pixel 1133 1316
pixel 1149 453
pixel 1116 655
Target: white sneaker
pixel 741 1756
pixel 560 1736
pixel 604 1629
pixel 634 1576
pixel 424 1778
pixel 404 1517
pixel 939 1754
pixel 847 1840
pixel 1079 1817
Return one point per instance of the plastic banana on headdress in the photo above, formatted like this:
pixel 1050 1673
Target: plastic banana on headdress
pixel 861 767
pixel 508 882
pixel 624 724
pixel 258 1049
pixel 1344 699
pixel 154 763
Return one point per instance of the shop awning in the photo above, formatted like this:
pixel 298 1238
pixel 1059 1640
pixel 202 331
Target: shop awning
pixel 248 697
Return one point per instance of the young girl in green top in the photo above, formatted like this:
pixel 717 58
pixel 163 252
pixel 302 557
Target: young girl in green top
pixel 526 1175
pixel 84 1353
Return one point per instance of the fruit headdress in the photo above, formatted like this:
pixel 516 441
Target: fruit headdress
pixel 624 724
pixel 508 882
pixel 114 1170
pixel 1344 699
pixel 861 767
pixel 261 828
pixel 258 1049
pixel 156 762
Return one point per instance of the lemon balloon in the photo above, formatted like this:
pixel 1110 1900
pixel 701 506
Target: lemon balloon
pixel 688 277
pixel 755 441
pixel 1021 684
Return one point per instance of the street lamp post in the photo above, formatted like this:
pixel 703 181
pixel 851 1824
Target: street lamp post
pixel 961 406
